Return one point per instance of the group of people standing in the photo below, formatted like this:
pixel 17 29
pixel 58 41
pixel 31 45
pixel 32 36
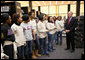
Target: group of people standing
pixel 32 37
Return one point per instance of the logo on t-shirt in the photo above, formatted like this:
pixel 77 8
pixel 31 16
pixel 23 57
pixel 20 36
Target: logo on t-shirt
pixel 10 32
pixel 27 28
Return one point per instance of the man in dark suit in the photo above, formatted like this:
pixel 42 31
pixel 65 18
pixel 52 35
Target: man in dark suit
pixel 70 30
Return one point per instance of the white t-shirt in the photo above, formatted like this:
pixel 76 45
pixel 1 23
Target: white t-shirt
pixel 50 27
pixel 33 22
pixel 42 29
pixel 60 25
pixel 19 35
pixel 27 30
pixel 46 21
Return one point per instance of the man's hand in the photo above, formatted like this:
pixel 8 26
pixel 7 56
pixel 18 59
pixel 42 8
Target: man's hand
pixel 67 31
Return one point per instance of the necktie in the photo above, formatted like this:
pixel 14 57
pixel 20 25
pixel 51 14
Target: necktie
pixel 68 21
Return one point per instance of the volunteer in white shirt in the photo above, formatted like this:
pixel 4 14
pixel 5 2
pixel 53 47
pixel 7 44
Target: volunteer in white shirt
pixel 20 40
pixel 60 28
pixel 51 27
pixel 28 32
pixel 36 41
pixel 42 35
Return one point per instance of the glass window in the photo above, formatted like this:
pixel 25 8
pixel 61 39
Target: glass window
pixel 52 14
pixel 44 9
pixel 73 8
pixel 63 9
pixel 81 9
pixel 52 10
pixel 36 8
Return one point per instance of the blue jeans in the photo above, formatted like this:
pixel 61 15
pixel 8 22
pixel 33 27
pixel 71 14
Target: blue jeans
pixel 37 42
pixel 57 40
pixel 20 52
pixel 43 43
pixel 50 42
pixel 28 48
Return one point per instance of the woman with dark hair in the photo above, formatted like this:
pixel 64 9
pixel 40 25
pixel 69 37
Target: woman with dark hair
pixel 42 35
pixel 35 41
pixel 60 28
pixel 51 27
pixel 54 18
pixel 7 36
pixel 20 40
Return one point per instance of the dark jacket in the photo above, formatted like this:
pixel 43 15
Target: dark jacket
pixel 72 25
pixel 7 33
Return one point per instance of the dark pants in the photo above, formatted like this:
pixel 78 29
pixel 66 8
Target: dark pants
pixel 28 50
pixel 9 50
pixel 20 52
pixel 70 40
pixel 60 32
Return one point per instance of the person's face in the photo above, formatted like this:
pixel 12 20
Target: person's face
pixel 51 19
pixel 44 17
pixel 33 15
pixel 20 20
pixel 59 18
pixel 69 14
pixel 9 20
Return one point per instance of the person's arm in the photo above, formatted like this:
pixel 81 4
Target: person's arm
pixel 33 34
pixel 50 28
pixel 40 29
pixel 14 29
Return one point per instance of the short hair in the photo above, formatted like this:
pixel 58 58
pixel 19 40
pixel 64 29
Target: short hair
pixel 15 17
pixel 25 17
pixel 41 16
pixel 49 18
pixel 30 13
pixel 70 12
pixel 4 17
pixel 60 17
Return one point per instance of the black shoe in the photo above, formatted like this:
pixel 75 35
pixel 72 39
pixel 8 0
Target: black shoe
pixel 67 49
pixel 72 51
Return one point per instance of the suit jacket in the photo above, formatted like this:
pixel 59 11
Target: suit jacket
pixel 72 25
